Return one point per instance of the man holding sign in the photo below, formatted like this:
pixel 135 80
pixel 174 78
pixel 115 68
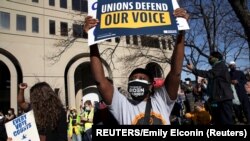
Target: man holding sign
pixel 149 106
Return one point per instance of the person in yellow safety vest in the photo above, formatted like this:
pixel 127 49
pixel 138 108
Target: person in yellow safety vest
pixel 74 127
pixel 88 115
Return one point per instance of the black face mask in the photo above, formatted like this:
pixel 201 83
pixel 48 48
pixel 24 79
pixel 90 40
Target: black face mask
pixel 138 89
pixel 212 60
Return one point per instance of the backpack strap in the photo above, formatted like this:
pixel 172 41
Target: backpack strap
pixel 147 112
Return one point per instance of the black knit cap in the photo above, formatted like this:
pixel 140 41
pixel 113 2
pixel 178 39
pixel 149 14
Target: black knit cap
pixel 143 71
pixel 217 55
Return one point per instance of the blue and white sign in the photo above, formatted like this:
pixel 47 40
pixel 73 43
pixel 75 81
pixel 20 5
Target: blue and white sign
pixel 133 17
pixel 23 128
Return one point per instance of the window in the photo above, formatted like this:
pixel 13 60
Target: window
pixel 21 23
pixel 144 40
pixel 63 3
pixel 64 29
pixel 77 30
pixel 150 42
pixel 117 39
pixel 169 45
pixel 35 25
pixel 5 20
pixel 52 2
pixel 80 5
pixel 135 40
pixel 163 44
pixel 35 1
pixel 52 27
pixel 128 39
pixel 155 43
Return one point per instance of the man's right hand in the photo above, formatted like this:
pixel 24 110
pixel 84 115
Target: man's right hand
pixel 23 85
pixel 181 12
pixel 89 23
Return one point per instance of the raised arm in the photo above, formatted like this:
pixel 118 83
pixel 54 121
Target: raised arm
pixel 104 86
pixel 173 78
pixel 20 98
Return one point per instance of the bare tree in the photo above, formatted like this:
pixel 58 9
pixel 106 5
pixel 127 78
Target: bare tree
pixel 241 10
pixel 214 27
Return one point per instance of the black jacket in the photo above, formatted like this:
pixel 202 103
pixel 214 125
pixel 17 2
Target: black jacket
pixel 219 82
pixel 241 78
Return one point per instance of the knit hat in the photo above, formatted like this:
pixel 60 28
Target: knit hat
pixel 232 63
pixel 143 71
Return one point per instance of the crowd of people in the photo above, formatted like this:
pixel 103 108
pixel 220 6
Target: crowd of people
pixel 223 93
pixel 211 101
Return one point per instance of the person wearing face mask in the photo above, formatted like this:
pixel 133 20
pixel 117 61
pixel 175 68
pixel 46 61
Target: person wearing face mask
pixel 238 80
pixel 87 119
pixel 88 115
pixel 74 127
pixel 189 96
pixel 218 89
pixel 148 105
pixel 204 89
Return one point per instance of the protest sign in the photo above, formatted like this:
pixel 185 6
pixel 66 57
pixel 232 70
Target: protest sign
pixel 133 17
pixel 23 128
